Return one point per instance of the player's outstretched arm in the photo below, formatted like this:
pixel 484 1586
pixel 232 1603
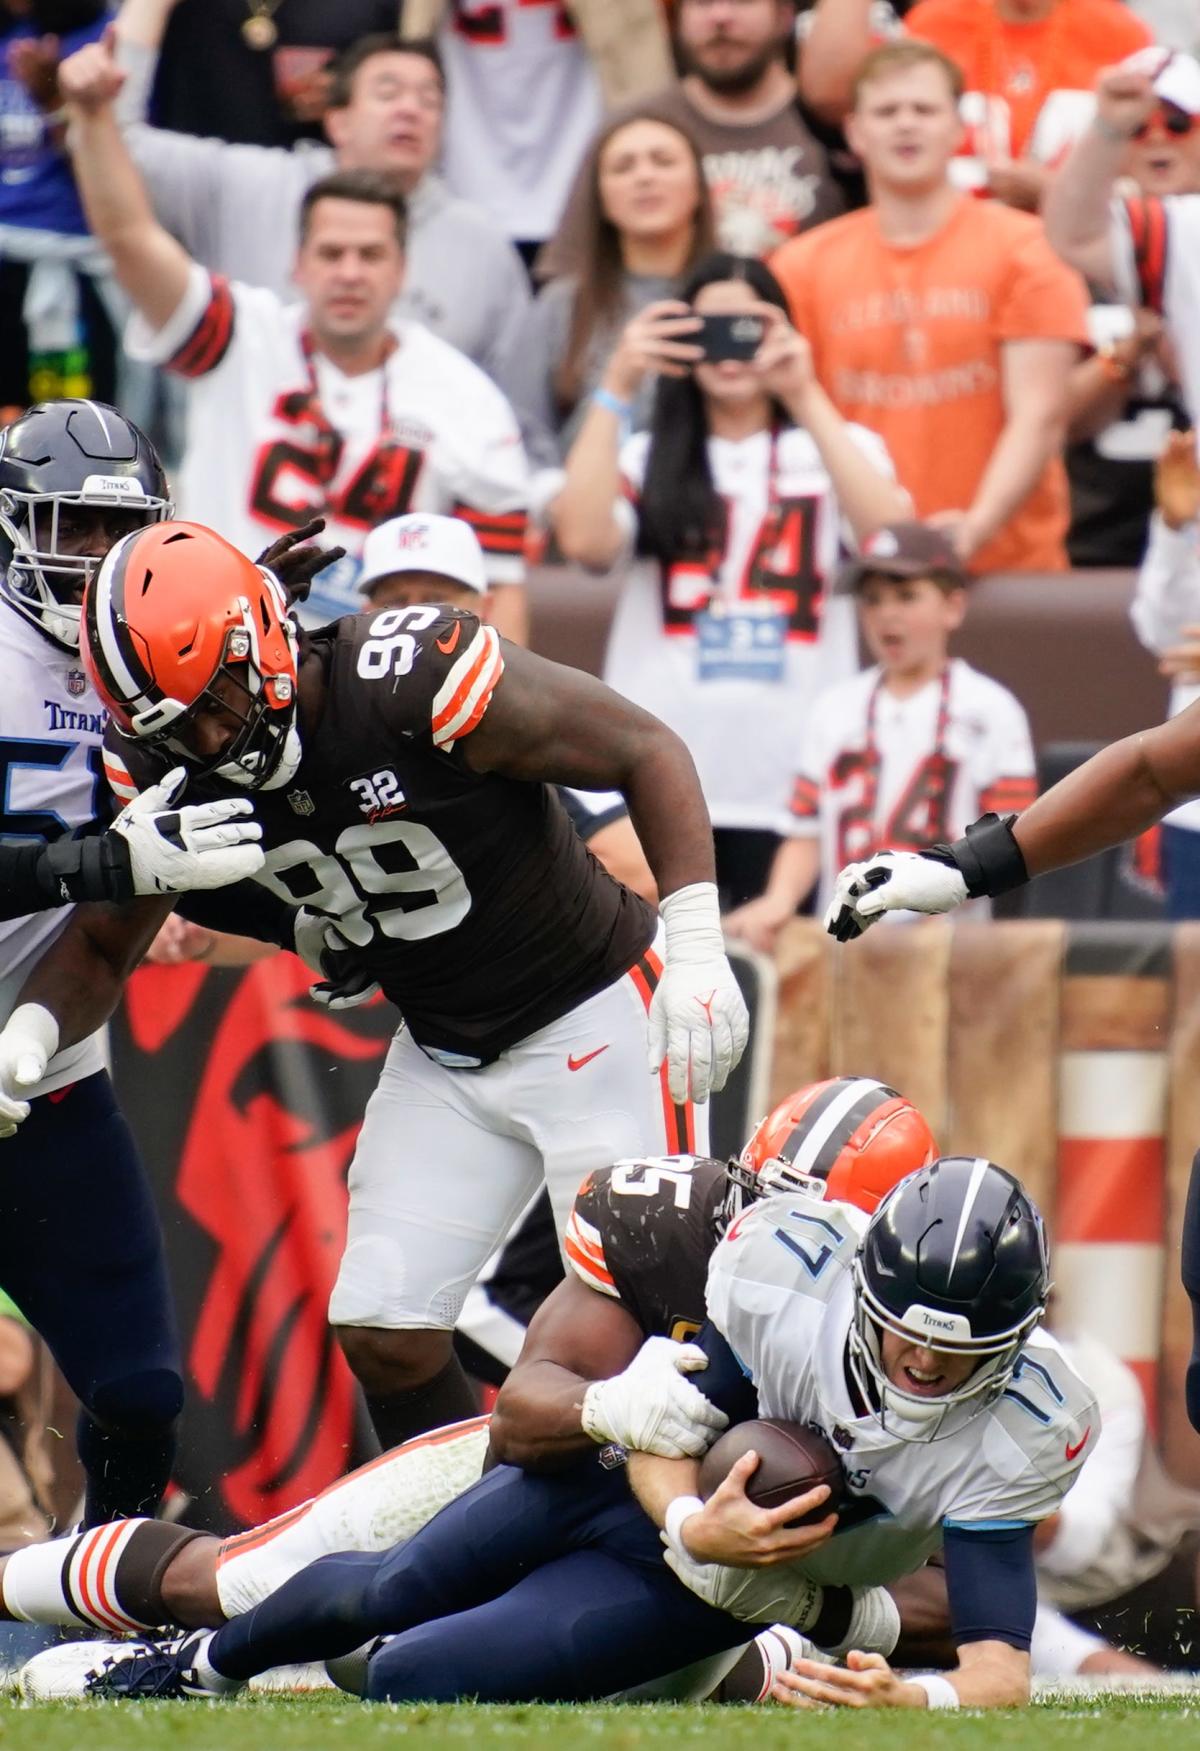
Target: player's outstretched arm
pixel 988 1675
pixel 556 725
pixel 150 265
pixel 1110 798
pixel 71 992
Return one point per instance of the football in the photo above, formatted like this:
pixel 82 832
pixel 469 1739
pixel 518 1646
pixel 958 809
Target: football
pixel 792 1458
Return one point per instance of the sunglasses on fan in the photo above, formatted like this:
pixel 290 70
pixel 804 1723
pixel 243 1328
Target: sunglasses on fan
pixel 1170 118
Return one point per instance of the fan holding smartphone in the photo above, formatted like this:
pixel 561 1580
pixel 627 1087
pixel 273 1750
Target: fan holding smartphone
pixel 736 500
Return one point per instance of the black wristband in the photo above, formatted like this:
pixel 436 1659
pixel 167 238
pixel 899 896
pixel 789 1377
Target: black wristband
pixel 95 867
pixel 989 857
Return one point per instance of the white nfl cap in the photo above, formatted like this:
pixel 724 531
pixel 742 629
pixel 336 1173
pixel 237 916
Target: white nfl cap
pixel 1176 76
pixel 422 542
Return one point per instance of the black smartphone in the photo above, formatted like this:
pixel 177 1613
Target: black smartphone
pixel 730 336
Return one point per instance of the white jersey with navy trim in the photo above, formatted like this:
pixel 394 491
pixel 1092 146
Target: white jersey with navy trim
pixel 780 1293
pixel 50 784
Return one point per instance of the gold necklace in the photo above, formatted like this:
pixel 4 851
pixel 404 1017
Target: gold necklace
pixel 260 31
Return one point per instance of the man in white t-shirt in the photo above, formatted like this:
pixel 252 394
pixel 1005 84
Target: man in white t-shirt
pixel 905 753
pixel 1145 249
pixel 327 407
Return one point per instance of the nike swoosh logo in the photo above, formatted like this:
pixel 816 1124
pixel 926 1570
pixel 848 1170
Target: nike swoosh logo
pixel 1074 1452
pixel 449 643
pixel 578 1063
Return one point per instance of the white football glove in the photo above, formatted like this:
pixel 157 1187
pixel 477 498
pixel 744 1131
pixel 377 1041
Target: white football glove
pixel 779 1594
pixel 651 1408
pixel 323 949
pixel 698 1019
pixel 28 1041
pixel 202 846
pixel 892 881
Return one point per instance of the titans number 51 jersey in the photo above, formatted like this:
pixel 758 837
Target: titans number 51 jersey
pixel 50 784
pixel 780 1293
pixel 470 896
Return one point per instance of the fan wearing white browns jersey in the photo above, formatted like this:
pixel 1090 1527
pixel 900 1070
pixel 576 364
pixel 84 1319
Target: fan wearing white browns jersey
pixel 324 407
pixel 906 753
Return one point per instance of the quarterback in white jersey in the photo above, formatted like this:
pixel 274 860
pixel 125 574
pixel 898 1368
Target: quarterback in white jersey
pixel 910 1339
pixel 326 407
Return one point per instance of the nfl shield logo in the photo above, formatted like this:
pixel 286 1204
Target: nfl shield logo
pixel 301 803
pixel 76 682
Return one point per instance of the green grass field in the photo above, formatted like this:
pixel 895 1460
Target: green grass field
pixel 324 1723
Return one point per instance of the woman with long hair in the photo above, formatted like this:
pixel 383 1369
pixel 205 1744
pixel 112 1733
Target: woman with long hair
pixel 647 221
pixel 737 501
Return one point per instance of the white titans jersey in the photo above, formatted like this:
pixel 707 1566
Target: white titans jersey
pixel 780 1293
pixel 731 654
pixel 50 728
pixel 275 436
pixel 523 105
pixel 1156 249
pixel 915 793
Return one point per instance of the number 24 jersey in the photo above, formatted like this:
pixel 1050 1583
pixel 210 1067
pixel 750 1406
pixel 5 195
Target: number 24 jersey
pixel 476 906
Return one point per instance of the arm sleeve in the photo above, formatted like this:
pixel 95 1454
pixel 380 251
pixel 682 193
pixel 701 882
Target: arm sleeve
pixel 244 909
pixel 726 1382
pixel 1167 597
pixel 991 1583
pixel 28 882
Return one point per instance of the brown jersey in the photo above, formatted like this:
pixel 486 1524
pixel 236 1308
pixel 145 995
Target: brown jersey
pixel 472 900
pixel 641 1232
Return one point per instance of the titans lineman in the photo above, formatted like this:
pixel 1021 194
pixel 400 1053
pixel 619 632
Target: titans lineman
pixel 80 1249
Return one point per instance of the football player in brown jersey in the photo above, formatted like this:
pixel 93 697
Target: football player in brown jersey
pixel 399 763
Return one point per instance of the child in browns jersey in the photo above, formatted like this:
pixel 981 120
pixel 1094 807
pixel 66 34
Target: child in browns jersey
pixel 905 753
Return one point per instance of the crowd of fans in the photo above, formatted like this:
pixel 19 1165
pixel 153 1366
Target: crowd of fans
pixel 493 260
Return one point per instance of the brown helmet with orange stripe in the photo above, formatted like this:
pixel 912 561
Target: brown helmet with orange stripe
pixel 189 645
pixel 850 1138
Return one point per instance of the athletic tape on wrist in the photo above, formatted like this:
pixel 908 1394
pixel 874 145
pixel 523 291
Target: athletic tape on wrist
pixel 939 1692
pixel 681 1509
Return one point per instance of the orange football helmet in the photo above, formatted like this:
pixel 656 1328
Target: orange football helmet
pixel 177 621
pixel 850 1138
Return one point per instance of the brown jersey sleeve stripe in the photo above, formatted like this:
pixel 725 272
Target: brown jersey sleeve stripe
pixel 209 341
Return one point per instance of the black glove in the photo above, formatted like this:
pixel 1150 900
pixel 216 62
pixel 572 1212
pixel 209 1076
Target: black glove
pixel 296 559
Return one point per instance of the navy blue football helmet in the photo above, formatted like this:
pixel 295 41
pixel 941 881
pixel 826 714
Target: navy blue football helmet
pixel 954 1260
pixel 59 455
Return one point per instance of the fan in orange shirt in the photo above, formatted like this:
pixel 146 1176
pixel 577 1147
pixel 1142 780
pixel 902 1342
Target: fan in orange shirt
pixel 1029 68
pixel 947 325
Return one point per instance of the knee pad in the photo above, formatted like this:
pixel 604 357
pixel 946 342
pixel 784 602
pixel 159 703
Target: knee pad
pixel 138 1404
